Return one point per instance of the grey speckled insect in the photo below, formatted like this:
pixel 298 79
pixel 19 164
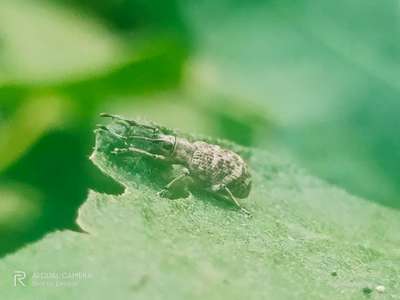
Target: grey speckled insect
pixel 212 167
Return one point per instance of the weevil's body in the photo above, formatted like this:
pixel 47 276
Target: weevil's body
pixel 213 168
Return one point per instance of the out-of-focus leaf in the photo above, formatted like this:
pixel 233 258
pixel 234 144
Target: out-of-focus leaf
pixel 154 68
pixel 41 42
pixel 326 72
pixel 20 207
pixel 154 17
pixel 33 118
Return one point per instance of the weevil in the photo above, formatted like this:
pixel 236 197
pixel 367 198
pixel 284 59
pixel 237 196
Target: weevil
pixel 210 166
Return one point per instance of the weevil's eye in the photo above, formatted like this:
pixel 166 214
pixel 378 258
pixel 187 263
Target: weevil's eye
pixel 167 147
pixel 164 145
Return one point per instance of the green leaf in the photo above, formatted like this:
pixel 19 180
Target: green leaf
pixel 305 240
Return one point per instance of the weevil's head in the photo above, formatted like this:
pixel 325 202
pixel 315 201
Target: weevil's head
pixel 145 137
pixel 125 129
pixel 162 145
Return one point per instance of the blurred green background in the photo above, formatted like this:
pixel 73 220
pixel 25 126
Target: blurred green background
pixel 314 82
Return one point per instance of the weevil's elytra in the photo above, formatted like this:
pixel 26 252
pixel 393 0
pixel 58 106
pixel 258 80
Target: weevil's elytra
pixel 210 166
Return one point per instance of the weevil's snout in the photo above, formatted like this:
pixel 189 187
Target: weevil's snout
pixel 163 145
pixel 127 128
pixel 127 122
pixel 146 137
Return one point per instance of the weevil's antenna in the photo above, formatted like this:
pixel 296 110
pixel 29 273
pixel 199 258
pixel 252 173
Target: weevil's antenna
pixel 106 115
pixel 116 117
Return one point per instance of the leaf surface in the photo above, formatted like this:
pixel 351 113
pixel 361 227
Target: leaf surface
pixel 141 246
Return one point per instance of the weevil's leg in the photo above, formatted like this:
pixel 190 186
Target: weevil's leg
pixel 174 181
pixel 139 151
pixel 234 200
pixel 101 128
